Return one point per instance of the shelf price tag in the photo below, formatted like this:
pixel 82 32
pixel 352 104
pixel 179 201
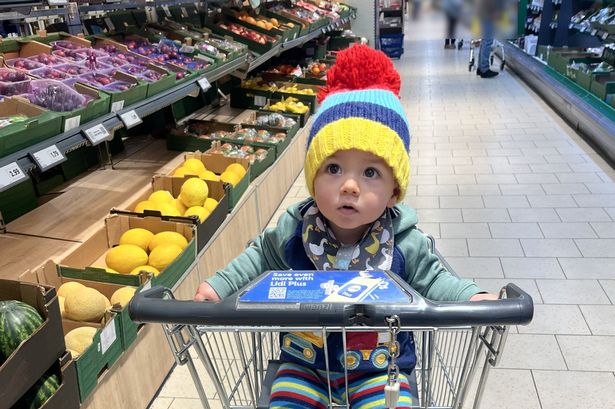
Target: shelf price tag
pixel 204 84
pixel 166 11
pixel 96 134
pixel 605 35
pixel 10 175
pixel 48 157
pixel 260 100
pixel 107 336
pixel 130 119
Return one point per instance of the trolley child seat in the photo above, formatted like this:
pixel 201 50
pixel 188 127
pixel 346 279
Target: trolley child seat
pixel 236 340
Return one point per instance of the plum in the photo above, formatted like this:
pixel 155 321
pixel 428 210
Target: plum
pixel 49 73
pixel 68 45
pixel 47 59
pixel 117 86
pixel 7 75
pixel 55 96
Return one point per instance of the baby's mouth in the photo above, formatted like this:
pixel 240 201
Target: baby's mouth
pixel 347 209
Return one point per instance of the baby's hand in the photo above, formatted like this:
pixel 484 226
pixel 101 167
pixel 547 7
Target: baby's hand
pixel 483 297
pixel 205 292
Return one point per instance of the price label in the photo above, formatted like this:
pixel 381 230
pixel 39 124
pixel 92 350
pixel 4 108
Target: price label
pixel 260 101
pixel 166 11
pixel 107 336
pixel 570 26
pixel 204 84
pixel 10 175
pixel 48 157
pixel 130 119
pixel 72 123
pixel 96 134
pixel 184 12
pixel 146 286
pixel 605 35
pixel 117 106
pixel 593 32
pixel 109 24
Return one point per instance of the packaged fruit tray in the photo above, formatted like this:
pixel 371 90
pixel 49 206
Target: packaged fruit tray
pixel 288 105
pixel 151 203
pixel 95 251
pixel 35 341
pixel 257 42
pixel 266 25
pixel 286 122
pixel 260 158
pixel 302 27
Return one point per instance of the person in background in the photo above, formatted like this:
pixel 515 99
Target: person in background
pixel 452 10
pixel 357 169
pixel 487 13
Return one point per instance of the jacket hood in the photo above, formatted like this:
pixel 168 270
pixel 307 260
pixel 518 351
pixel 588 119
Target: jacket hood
pixel 404 217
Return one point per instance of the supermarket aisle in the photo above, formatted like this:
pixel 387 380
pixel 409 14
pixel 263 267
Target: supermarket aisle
pixel 513 195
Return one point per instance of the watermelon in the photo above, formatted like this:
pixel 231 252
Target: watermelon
pixel 38 394
pixel 18 321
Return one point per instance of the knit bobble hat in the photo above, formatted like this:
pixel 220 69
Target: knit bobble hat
pixel 360 109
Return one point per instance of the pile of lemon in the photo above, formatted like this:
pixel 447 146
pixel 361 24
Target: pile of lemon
pixel 290 104
pixel 192 166
pixel 141 250
pixel 293 89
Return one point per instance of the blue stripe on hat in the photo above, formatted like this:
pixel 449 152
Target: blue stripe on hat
pixel 373 96
pixel 367 110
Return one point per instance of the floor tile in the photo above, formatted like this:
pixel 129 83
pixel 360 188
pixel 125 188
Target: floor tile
pixel 507 201
pixel 575 389
pixel 556 319
pixel 453 247
pixel 588 268
pixel 423 202
pixel 522 189
pixel 530 178
pixel 609 288
pixel 583 215
pixel 474 190
pixel 528 267
pixel 440 215
pixel 437 190
pixel 567 230
pixel 485 215
pixel 599 318
pixel 605 230
pixel 161 403
pixel 601 187
pixel 461 202
pixel 550 248
pixel 464 230
pixel 495 247
pixel 530 351
pixel 475 267
pixel 564 188
pixel 589 177
pixel 551 201
pixel 572 292
pixel 596 247
pixel 515 230
pixel 588 353
pixel 594 200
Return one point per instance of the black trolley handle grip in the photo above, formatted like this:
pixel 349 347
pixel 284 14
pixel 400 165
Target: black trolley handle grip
pixel 516 308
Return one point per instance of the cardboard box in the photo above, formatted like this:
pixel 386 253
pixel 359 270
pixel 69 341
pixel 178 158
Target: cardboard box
pixel 49 38
pixel 40 125
pixel 218 165
pixel 50 273
pixel 67 395
pixel 34 356
pixel 24 49
pixel 205 230
pixel 92 252
pixel 257 167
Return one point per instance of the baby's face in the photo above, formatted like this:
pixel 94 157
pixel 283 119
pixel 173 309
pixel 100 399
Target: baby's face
pixel 352 188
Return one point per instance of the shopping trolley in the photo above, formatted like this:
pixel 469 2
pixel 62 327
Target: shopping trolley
pixel 496 55
pixel 237 343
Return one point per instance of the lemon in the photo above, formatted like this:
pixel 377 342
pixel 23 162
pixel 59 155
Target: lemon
pixel 179 206
pixel 236 168
pixel 137 236
pixel 167 237
pixel 198 211
pixel 125 257
pixel 146 205
pixel 163 255
pixel 146 268
pixel 194 191
pixel 122 296
pixel 169 209
pixel 230 177
pixel 194 165
pixel 210 204
pixel 161 196
pixel 182 171
pixel 209 175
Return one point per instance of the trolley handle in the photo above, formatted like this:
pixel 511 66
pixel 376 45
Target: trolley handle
pixel 516 309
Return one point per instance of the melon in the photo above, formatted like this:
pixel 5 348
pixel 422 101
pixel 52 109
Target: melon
pixel 79 339
pixel 40 392
pixel 122 296
pixel 137 236
pixel 193 192
pixel 18 321
pixel 167 237
pixel 163 255
pixel 146 268
pixel 86 304
pixel 69 287
pixel 194 165
pixel 125 257
pixel 198 211
pixel 161 196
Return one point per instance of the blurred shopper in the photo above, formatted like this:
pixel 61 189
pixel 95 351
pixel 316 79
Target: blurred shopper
pixel 452 10
pixel 487 13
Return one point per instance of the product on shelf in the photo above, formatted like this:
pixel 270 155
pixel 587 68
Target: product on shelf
pixel 69 55
pixel 8 75
pixel 64 44
pixel 24 64
pixel 258 84
pixel 226 44
pixel 15 88
pixel 248 33
pixel 13 119
pixel 19 321
pixel 72 69
pixel 40 392
pixel 49 73
pixel 275 120
pixel 55 96
pixel 290 104
pixel 207 48
pixel 47 59
pixel 294 89
pixel 239 151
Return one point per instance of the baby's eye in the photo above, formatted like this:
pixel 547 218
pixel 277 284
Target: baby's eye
pixel 371 172
pixel 333 169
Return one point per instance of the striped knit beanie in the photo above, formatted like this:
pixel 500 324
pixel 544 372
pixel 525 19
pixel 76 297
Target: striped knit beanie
pixel 360 109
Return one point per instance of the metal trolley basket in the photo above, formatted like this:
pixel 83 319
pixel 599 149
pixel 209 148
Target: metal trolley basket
pixel 456 343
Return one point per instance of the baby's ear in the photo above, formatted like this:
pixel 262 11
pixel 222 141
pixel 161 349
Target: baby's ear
pixel 394 197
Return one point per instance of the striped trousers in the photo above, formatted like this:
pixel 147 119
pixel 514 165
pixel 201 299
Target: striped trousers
pixel 298 387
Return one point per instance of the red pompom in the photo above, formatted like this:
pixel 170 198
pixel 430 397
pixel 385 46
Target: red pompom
pixel 361 67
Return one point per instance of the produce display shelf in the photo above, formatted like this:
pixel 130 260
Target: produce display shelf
pixel 17 15
pixel 68 141
pixel 592 117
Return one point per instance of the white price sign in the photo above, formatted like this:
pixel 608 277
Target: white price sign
pixel 117 106
pixel 260 101
pixel 107 336
pixel 96 134
pixel 48 157
pixel 204 84
pixel 130 119
pixel 166 11
pixel 10 174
